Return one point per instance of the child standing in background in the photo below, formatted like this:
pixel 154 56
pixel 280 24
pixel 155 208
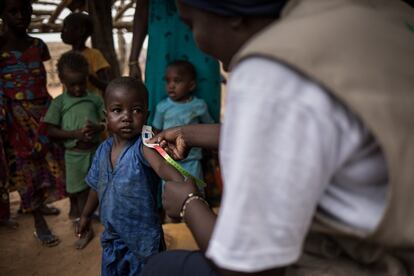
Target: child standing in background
pixel 33 164
pixel 124 184
pixel 75 117
pixel 77 27
pixel 182 108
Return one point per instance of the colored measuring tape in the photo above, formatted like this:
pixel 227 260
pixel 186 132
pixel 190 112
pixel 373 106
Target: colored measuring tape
pixel 147 134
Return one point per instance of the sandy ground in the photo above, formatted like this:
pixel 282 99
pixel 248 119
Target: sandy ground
pixel 22 254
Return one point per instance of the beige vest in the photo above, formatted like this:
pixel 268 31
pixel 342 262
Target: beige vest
pixel 361 51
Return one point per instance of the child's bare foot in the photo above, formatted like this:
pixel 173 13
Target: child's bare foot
pixel 9 223
pixel 83 241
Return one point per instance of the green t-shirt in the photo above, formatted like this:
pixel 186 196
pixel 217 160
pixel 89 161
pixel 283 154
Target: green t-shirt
pixel 71 113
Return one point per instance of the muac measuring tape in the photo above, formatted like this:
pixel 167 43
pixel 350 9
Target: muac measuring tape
pixel 147 134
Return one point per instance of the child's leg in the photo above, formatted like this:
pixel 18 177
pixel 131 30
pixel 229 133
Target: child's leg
pixel 73 209
pixel 77 166
pixel 42 232
pixel 81 198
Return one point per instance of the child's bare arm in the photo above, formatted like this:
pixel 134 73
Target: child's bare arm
pixel 92 128
pixel 101 79
pixel 160 166
pixel 56 132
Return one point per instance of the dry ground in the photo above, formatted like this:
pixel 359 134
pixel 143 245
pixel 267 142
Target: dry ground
pixel 22 254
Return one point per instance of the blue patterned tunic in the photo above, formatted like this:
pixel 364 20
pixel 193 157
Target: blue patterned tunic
pixel 127 207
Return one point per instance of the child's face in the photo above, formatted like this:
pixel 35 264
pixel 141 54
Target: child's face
pixel 70 34
pixel 75 83
pixel 178 84
pixel 17 15
pixel 126 112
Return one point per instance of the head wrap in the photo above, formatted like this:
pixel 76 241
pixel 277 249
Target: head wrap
pixel 239 7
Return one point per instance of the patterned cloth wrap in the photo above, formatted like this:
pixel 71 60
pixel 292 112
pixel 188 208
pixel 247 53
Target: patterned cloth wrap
pixel 33 164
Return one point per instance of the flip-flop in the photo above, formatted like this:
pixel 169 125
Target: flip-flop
pixel 48 240
pixel 83 242
pixel 49 210
pixel 9 223
pixel 46 210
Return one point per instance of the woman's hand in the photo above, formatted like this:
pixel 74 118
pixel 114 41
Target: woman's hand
pixel 175 193
pixel 173 142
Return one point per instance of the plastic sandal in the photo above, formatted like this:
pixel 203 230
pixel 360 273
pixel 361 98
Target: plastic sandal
pixel 47 240
pixel 49 210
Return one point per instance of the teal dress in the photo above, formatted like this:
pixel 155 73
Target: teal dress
pixel 170 39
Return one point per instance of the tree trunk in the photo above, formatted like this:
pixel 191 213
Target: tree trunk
pixel 102 39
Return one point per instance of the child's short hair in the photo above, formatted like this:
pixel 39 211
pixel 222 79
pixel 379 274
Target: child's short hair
pixel 73 61
pixel 81 20
pixel 128 83
pixel 186 66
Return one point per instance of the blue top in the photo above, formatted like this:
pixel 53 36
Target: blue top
pixel 171 114
pixel 127 198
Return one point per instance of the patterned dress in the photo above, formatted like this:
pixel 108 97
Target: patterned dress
pixel 34 166
pixel 170 39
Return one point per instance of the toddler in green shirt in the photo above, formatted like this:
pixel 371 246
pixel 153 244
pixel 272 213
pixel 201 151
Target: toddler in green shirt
pixel 75 117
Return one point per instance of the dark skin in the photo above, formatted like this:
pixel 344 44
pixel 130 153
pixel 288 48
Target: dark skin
pixel 75 83
pixel 231 33
pixel 199 218
pixel 16 17
pixel 179 84
pixel 76 36
pixel 140 31
pixel 126 112
pixel 177 142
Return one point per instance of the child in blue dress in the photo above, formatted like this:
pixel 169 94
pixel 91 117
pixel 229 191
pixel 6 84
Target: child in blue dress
pixel 182 108
pixel 124 184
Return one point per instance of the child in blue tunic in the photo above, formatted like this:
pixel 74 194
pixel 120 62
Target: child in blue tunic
pixel 124 184
pixel 182 108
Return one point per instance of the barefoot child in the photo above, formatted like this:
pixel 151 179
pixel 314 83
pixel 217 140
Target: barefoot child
pixel 31 163
pixel 182 108
pixel 124 184
pixel 75 117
